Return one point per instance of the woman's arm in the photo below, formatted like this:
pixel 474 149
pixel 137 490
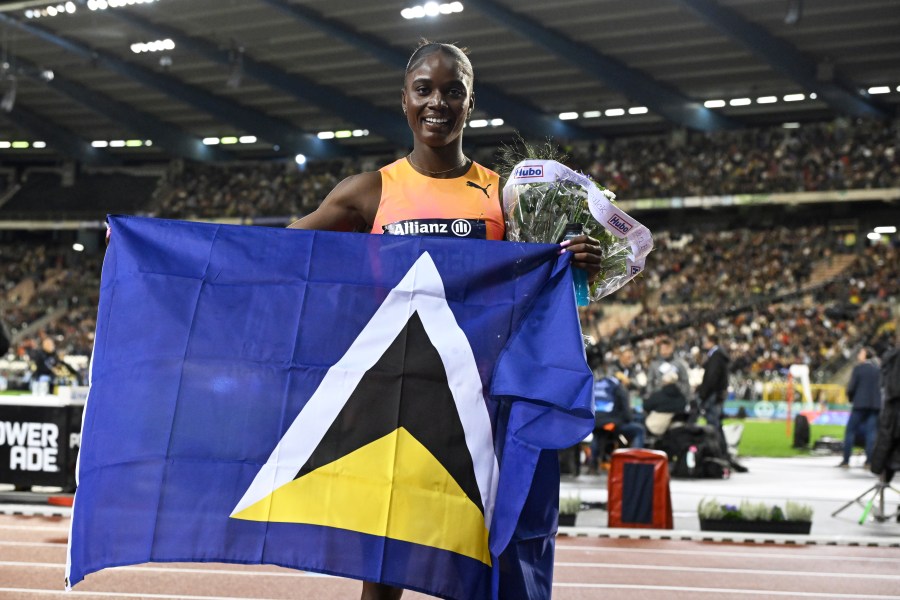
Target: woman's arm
pixel 350 206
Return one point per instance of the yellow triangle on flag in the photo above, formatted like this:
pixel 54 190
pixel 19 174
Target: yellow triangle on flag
pixel 392 487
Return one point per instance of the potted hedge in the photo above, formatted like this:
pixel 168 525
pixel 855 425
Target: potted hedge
pixel 568 510
pixel 754 517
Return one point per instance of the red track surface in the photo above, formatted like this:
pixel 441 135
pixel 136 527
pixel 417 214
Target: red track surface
pixel 33 554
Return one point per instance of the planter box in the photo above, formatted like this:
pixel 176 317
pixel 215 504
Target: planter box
pixel 795 527
pixel 567 519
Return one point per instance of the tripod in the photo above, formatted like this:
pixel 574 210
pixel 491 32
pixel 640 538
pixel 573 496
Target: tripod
pixel 876 501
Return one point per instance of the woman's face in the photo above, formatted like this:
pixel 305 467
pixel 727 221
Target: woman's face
pixel 437 99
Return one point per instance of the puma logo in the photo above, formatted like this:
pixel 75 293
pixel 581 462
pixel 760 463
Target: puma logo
pixel 483 189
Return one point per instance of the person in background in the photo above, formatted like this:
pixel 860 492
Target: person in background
pixel 864 393
pixel 666 403
pixel 614 415
pixel 712 391
pixel 665 359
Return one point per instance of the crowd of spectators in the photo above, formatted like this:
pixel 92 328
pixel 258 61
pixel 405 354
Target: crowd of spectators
pixel 245 190
pixel 838 155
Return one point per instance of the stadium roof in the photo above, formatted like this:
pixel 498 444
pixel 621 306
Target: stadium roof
pixel 322 77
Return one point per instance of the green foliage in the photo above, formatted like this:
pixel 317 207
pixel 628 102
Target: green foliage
pixel 753 511
pixel 794 511
pixel 542 210
pixel 710 509
pixel 570 505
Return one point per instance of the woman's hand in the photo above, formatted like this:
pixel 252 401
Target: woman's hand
pixel 586 254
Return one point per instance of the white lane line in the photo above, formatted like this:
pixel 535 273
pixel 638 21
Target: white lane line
pixel 680 569
pixel 804 555
pixel 64 530
pixel 722 592
pixel 61 545
pixel 64 594
pixel 679 535
pixel 195 570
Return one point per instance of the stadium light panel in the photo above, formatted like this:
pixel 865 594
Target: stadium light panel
pixel 325 135
pixel 300 159
pixel 714 103
pixel 813 96
pixel 638 110
pixel 794 97
pixel 343 133
pixel 78 247
pixel 873 236
pixel 210 141
pixel 886 229
pixel 496 122
pixel 117 143
pixel 591 114
pixel 39 145
pixel 228 139
pixel 431 9
pixel 135 143
pixel 5 144
pixel 20 145
pixel 739 101
pixel 247 139
pixel 478 123
pixel 791 125
pixel 148 142
pixel 615 112
pixel 99 143
pixel 767 100
pixel 566 116
pixel 879 89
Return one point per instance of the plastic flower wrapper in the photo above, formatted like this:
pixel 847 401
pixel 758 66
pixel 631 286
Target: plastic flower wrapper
pixel 541 197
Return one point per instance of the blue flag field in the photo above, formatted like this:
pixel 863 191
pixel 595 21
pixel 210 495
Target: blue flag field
pixel 383 408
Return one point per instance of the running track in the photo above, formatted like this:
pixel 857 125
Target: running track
pixel 33 550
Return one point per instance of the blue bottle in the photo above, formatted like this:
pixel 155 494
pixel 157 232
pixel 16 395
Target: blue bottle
pixel 582 290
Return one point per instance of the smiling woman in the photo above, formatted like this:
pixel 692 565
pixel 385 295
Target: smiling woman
pixel 437 191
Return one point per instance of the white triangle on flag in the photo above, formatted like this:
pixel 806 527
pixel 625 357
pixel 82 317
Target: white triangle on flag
pixel 420 291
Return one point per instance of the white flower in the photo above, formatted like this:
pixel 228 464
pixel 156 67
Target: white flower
pixel 609 194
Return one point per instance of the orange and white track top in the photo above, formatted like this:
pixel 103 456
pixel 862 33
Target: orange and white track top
pixel 414 204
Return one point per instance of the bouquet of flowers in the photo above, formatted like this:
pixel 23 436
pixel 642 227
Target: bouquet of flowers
pixel 542 197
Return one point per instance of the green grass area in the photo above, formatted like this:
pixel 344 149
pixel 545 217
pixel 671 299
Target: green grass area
pixel 768 438
pixel 14 393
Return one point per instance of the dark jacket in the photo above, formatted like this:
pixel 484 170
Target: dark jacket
pixel 715 376
pixel 667 399
pixel 864 389
pixel 610 389
pixel 886 452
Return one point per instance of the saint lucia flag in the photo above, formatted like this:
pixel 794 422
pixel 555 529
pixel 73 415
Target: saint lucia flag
pixel 383 408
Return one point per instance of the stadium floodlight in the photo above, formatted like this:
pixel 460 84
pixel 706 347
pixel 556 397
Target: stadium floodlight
pixel 794 97
pixel 638 110
pixel 873 236
pixel 886 229
pixel 714 103
pixel 300 159
pixel 880 89
pixel 767 100
pixel 813 96
pixel 229 139
pixel 591 114
pixel 325 135
pixel 5 144
pixel 99 143
pixel 136 143
pixel 39 144
pixel 566 116
pixel 791 125
pixel 739 101
pixel 117 143
pixel 343 133
pixel 210 141
pixel 247 139
pixel 20 145
pixel 70 7
pixel 78 247
pixel 614 112
pixel 496 122
pixel 475 123
pixel 431 9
